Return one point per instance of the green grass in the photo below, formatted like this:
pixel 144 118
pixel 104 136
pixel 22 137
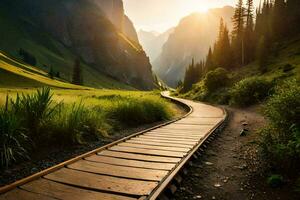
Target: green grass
pixel 67 117
pixel 20 32
pixel 283 65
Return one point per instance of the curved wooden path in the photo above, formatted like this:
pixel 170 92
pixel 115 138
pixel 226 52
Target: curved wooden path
pixel 136 167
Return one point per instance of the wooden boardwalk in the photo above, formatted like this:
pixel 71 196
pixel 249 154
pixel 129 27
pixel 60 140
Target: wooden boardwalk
pixel 137 167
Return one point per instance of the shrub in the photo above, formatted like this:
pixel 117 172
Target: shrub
pixel 34 110
pixel 275 180
pixel 216 79
pixel 144 110
pixel 280 140
pixel 76 124
pixel 250 91
pixel 12 137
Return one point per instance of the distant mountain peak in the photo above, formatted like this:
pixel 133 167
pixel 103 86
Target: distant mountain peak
pixel 191 38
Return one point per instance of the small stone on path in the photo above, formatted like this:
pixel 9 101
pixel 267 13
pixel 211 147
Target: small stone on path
pixel 208 163
pixel 217 185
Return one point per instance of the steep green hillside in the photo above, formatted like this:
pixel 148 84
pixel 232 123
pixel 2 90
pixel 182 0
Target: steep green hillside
pixel 15 74
pixel 57 32
pixel 22 33
pixel 282 65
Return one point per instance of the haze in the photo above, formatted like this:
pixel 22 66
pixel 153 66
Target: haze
pixel 160 15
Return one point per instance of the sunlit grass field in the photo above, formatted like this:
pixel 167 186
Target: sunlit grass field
pixel 31 119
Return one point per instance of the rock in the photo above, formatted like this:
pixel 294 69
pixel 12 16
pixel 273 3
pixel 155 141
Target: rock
pixel 208 163
pixel 225 180
pixel 217 185
pixel 197 197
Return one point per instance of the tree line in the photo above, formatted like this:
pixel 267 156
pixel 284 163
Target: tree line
pixel 255 36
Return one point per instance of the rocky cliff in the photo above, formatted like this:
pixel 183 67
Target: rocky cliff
pixel 95 30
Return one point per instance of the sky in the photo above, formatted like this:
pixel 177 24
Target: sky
pixel 160 15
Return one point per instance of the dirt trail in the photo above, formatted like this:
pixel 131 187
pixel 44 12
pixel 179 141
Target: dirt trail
pixel 230 167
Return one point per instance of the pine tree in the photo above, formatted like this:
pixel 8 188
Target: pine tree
pixel 293 16
pixel 51 73
pixel 278 19
pixel 249 37
pixel 222 52
pixel 209 65
pixel 238 31
pixel 77 73
pixel 262 54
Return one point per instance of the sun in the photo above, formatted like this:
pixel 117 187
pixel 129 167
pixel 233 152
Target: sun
pixel 197 6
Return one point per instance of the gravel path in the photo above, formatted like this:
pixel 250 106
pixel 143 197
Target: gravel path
pixel 230 168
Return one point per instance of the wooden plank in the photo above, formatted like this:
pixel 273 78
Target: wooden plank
pixel 142 146
pixel 140 157
pixel 200 121
pixel 119 171
pixel 148 151
pixel 168 138
pixel 165 141
pixel 196 132
pixel 170 135
pixel 164 144
pixel 18 194
pixel 186 128
pixel 176 134
pixel 101 182
pixel 130 163
pixel 61 191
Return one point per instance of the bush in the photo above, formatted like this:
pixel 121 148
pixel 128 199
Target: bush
pixel 135 111
pixel 216 79
pixel 34 110
pixel 36 118
pixel 275 180
pixel 281 138
pixel 250 91
pixel 12 137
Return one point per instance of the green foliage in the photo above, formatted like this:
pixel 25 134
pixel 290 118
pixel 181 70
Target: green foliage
pixel 46 121
pixel 12 137
pixel 275 180
pixel 280 140
pixel 75 124
pixel 262 54
pixel 216 79
pixel 77 77
pixel 144 110
pixel 34 110
pixel 193 74
pixel 250 91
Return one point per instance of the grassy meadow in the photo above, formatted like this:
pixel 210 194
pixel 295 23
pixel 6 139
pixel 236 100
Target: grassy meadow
pixel 31 119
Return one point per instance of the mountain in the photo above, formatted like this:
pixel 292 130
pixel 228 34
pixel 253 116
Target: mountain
pixel 153 42
pixel 57 32
pixel 191 39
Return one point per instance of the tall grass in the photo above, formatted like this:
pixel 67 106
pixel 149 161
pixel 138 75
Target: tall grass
pixel 34 110
pixel 12 137
pixel 137 111
pixel 29 122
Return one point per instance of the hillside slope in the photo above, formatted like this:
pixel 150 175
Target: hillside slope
pixel 283 65
pixel 57 32
pixel 191 39
pixel 16 74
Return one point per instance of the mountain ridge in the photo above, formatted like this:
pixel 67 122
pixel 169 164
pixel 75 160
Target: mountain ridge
pixel 191 39
pixel 58 32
